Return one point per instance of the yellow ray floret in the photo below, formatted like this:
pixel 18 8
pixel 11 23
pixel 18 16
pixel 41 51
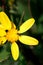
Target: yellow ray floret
pixel 2 40
pixel 15 50
pixel 26 25
pixel 28 40
pixel 4 21
pixel 2 32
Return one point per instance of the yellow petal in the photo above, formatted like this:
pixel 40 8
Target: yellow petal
pixel 2 32
pixel 2 40
pixel 26 25
pixel 15 51
pixel 28 40
pixel 4 21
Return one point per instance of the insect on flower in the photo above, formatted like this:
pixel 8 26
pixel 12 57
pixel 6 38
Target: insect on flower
pixel 12 34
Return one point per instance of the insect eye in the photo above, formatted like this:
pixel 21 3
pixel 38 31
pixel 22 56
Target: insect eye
pixel 6 30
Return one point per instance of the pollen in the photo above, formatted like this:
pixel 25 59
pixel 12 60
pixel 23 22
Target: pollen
pixel 12 35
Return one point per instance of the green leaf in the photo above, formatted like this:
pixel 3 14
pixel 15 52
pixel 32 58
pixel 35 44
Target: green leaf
pixel 3 53
pixel 23 7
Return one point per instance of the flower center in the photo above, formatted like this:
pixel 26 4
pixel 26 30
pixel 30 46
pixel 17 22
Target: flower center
pixel 12 35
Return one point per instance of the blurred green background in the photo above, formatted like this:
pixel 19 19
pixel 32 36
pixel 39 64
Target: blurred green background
pixel 19 11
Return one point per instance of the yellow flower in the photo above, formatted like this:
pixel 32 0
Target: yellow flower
pixel 13 34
